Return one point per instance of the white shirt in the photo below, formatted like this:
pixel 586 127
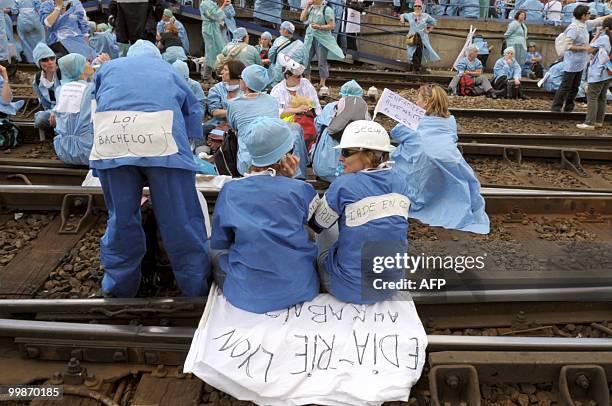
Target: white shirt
pixel 552 10
pixel 305 88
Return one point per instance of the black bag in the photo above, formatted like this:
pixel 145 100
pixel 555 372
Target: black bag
pixel 10 134
pixel 226 157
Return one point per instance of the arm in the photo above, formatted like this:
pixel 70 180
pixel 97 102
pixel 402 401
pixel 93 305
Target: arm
pixel 47 18
pixel 512 27
pixel 6 87
pixel 222 235
pixel 478 69
pixel 306 11
pixel 192 112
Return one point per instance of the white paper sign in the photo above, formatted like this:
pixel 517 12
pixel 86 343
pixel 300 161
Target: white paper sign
pixel 353 21
pixel 70 97
pixel 132 134
pixel 323 352
pixel 401 110
pixel 376 207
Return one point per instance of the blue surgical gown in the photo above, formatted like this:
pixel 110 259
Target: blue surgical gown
pixel 446 190
pixel 270 264
pixel 240 113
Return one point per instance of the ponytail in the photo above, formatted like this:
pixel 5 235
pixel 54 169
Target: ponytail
pixel 437 100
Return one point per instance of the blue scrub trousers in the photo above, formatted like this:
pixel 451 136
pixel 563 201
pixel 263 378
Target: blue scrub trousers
pixel 180 220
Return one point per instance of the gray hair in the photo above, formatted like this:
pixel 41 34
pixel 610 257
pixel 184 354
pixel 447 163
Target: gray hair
pixel 472 48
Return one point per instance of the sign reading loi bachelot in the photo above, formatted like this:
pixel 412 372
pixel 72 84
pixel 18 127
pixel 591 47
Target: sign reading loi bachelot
pixel 324 352
pixel 401 110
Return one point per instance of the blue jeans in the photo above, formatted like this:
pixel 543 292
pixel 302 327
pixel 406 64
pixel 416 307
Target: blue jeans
pixel 321 52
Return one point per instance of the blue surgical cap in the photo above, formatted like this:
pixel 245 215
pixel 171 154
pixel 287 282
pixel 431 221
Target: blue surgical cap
pixel 351 88
pixel 288 26
pixel 181 68
pixel 256 77
pixel 267 35
pixel 103 27
pixel 92 27
pixel 268 140
pixel 71 66
pixel 143 48
pixel 41 51
pixel 239 34
pixel 508 50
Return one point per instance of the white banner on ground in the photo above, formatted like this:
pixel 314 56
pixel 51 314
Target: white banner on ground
pixel 468 42
pixel 401 110
pixel 324 352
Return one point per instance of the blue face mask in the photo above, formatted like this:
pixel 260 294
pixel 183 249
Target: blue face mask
pixel 231 88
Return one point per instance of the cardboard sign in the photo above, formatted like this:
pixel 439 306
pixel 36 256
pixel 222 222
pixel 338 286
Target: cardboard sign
pixel 401 110
pixel 70 98
pixel 324 352
pixel 132 134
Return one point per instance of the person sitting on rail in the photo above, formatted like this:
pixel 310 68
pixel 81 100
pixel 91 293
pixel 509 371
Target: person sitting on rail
pixel 369 184
pixel 45 84
pixel 168 18
pixel 183 70
pixel 263 259
pixel 533 67
pixel 265 41
pixel 471 67
pixel 507 76
pixel 73 129
pixel 163 160
pixel 170 45
pixel 419 48
pixel 104 40
pixel 67 27
pixel 319 39
pixel 239 49
pixel 330 124
pixel 252 104
pixel 431 163
pixel 294 84
pixel 7 106
pixel 553 77
pixel 223 92
pixel 285 44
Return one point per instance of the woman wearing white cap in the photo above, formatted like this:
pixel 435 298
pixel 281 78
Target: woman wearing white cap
pixel 295 85
pixel 285 44
pixel 263 259
pixel 370 204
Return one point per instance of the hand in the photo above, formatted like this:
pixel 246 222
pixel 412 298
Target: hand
pixel 517 82
pixel 52 119
pixel 589 49
pixel 265 62
pixel 304 109
pixel 289 165
pixel 309 3
pixel 103 58
pixel 3 73
pixel 59 3
pixel 402 19
pixel 315 26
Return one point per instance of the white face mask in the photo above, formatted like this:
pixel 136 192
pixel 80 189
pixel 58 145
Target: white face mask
pixel 292 89
pixel 45 82
pixel 231 88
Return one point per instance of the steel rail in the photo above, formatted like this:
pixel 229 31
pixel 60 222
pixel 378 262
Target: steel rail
pixel 184 335
pixel 549 140
pixel 581 294
pixel 533 151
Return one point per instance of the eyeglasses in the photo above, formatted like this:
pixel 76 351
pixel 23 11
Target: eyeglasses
pixel 51 58
pixel 346 153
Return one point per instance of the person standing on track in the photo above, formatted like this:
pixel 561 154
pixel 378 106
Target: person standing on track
pixel 134 20
pixel 418 46
pixel 516 37
pixel 29 28
pixel 213 18
pixel 319 39
pixel 141 138
pixel 67 27
pixel 576 57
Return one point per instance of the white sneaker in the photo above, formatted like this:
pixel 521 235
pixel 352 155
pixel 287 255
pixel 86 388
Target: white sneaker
pixel 324 91
pixel 584 126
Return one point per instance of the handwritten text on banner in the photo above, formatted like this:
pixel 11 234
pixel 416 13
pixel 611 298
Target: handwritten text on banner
pixel 401 110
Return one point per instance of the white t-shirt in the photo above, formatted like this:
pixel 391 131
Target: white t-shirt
pixel 305 88
pixel 552 10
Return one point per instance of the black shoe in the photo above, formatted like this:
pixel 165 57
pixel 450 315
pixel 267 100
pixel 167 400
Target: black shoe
pixel 523 97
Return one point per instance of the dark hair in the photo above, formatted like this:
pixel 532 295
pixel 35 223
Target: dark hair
pixel 580 10
pixel 518 13
pixel 235 68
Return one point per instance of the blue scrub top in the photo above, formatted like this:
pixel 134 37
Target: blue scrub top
pixel 343 263
pixel 42 93
pixel 271 261
pixel 119 86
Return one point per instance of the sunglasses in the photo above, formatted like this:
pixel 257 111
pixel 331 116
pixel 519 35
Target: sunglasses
pixel 51 58
pixel 418 6
pixel 349 152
